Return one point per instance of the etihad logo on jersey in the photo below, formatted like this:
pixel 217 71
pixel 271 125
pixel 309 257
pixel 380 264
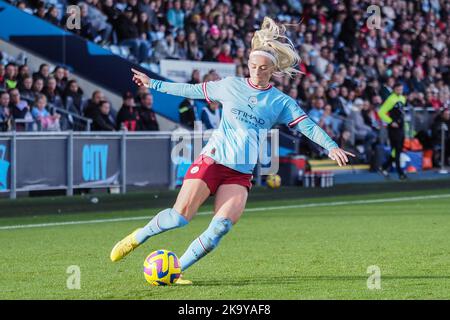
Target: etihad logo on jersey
pixel 247 117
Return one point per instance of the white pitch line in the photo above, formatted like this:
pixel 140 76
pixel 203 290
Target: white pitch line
pixel 295 206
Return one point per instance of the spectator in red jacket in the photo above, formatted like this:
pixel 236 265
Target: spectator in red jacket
pixel 128 116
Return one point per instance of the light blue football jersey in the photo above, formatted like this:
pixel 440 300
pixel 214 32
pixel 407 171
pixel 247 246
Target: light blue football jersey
pixel 247 116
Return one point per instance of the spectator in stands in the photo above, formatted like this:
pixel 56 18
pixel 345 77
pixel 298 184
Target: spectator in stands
pixel 92 105
pixel 5 114
pixel 61 80
pixel 19 109
pixel 24 71
pixel 52 93
pixel 147 117
pixel 10 76
pixel 45 121
pixel 100 26
pixel 175 15
pixel 165 48
pixel 363 133
pixel 128 35
pixel 128 116
pixel 38 87
pixel 316 111
pixel 52 15
pixel 195 77
pixel 73 97
pixel 181 49
pixel 211 115
pixel 225 54
pixel 43 73
pixel 103 120
pixel 26 89
pixel 193 49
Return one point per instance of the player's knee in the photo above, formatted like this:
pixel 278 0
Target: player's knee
pixel 187 208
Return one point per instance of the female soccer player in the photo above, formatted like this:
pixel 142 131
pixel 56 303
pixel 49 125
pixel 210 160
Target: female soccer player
pixel 248 104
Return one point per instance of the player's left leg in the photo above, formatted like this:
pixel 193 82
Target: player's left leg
pixel 229 205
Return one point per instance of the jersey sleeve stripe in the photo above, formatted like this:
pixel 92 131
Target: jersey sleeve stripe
pixel 297 121
pixel 205 93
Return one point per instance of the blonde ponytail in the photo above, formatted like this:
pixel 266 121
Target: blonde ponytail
pixel 269 39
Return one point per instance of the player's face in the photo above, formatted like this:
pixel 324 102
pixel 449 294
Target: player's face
pixel 261 69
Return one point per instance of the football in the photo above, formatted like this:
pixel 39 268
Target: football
pixel 273 181
pixel 161 268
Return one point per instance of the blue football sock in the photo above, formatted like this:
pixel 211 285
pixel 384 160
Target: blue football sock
pixel 207 241
pixel 165 220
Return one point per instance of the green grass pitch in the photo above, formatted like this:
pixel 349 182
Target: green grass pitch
pixel 299 252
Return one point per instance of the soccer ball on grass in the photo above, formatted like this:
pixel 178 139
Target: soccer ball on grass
pixel 161 268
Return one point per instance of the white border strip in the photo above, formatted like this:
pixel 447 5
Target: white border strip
pixel 295 206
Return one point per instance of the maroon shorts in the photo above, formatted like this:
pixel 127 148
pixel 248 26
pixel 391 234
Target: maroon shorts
pixel 215 174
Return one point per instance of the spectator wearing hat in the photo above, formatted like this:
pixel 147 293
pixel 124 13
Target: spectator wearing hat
pixel 147 117
pixel 212 43
pixel 128 116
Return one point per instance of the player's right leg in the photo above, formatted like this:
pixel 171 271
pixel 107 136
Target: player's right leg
pixel 191 196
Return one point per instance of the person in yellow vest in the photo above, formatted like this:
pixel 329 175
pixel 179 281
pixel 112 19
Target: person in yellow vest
pixel 391 112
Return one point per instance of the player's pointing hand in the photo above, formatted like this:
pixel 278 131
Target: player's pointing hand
pixel 340 156
pixel 141 79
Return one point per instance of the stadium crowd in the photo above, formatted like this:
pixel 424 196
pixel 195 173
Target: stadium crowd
pixel 31 101
pixel 350 61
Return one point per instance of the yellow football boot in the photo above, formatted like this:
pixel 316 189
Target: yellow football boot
pixel 181 281
pixel 124 246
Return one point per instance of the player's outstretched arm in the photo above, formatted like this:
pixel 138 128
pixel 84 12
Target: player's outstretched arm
pixel 315 133
pixel 191 91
